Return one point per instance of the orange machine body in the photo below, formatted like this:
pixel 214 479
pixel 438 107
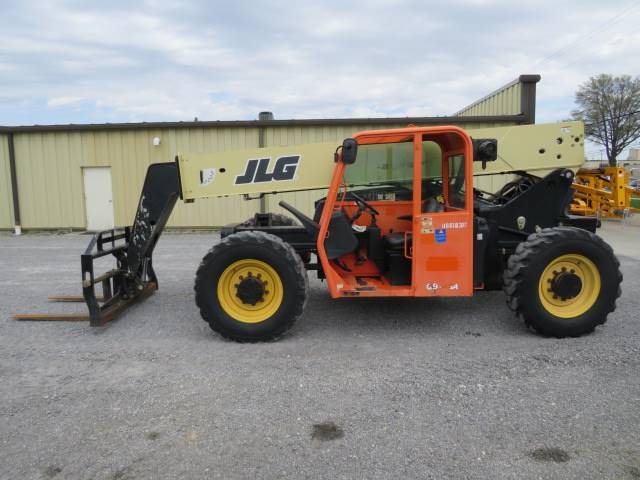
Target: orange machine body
pixel 439 244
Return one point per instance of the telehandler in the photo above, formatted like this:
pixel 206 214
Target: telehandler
pixel 401 218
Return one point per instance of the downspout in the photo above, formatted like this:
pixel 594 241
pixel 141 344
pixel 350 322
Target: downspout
pixel 263 116
pixel 528 97
pixel 17 228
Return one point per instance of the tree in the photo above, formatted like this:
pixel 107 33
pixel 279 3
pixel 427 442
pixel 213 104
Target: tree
pixel 610 108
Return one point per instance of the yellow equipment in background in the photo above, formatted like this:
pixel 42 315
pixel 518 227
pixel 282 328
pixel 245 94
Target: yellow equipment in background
pixel 604 192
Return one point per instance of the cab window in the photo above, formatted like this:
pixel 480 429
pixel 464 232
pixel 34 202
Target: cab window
pixel 432 193
pixel 385 170
pixel 457 182
pixel 443 180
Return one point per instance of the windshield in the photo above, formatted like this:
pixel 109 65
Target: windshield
pixel 380 164
pixel 392 164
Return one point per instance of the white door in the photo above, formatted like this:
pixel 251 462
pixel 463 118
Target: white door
pixel 98 198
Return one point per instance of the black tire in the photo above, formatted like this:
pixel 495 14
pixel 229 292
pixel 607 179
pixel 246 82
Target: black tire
pixel 522 277
pixel 277 220
pixel 266 248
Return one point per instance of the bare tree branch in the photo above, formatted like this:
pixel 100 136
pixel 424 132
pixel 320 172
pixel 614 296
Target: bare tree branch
pixel 610 108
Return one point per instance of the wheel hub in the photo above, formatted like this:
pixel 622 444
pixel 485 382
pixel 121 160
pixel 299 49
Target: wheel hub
pixel 569 286
pixel 566 285
pixel 250 290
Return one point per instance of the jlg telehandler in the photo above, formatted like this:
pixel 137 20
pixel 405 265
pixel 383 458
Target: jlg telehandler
pixel 401 218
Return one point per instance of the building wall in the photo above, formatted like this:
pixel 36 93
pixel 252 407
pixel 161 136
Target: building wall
pixel 50 160
pixel 49 170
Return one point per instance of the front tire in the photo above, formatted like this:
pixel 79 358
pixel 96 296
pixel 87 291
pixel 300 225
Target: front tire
pixel 251 287
pixel 563 281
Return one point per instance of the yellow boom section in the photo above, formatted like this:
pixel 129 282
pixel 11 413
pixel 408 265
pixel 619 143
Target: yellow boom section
pixel 536 149
pixel 257 170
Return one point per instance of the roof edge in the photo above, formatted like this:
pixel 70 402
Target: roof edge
pixel 264 123
pixel 526 78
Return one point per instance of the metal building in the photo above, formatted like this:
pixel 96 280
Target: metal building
pixel 75 176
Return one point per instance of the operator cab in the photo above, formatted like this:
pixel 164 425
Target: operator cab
pixel 401 219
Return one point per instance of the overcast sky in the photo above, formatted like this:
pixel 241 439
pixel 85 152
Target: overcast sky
pixel 84 61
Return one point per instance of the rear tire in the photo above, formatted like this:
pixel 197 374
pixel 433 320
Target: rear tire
pixel 262 269
pixel 563 281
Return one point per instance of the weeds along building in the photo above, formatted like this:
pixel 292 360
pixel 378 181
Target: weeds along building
pixel 75 176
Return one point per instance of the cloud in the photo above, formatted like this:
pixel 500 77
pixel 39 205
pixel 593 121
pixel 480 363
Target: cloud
pixel 63 101
pixel 162 60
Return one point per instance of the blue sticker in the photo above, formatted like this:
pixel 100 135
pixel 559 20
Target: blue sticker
pixel 441 235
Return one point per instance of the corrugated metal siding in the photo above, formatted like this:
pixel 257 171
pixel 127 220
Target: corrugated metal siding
pixel 49 169
pixel 50 178
pixel 6 203
pixel 506 101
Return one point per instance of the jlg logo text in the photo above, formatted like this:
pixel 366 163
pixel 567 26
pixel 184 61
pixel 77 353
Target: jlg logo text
pixel 256 170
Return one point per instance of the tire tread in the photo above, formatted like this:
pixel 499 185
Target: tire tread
pixel 279 246
pixel 519 261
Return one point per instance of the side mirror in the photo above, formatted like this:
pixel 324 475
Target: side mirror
pixel 485 150
pixel 349 151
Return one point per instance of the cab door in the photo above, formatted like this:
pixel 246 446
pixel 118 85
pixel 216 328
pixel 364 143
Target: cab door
pixel 442 248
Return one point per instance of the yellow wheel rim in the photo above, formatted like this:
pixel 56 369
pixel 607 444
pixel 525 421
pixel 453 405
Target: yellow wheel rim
pixel 589 276
pixel 238 272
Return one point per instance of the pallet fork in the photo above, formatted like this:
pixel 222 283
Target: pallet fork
pixel 133 279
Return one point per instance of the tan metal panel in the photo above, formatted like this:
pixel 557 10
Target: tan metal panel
pixel 538 149
pixel 47 192
pixel 128 153
pixel 31 181
pixel 505 101
pixel 75 184
pixel 6 194
pixel 215 211
pixel 303 166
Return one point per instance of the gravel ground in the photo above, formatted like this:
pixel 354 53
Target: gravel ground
pixel 379 388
